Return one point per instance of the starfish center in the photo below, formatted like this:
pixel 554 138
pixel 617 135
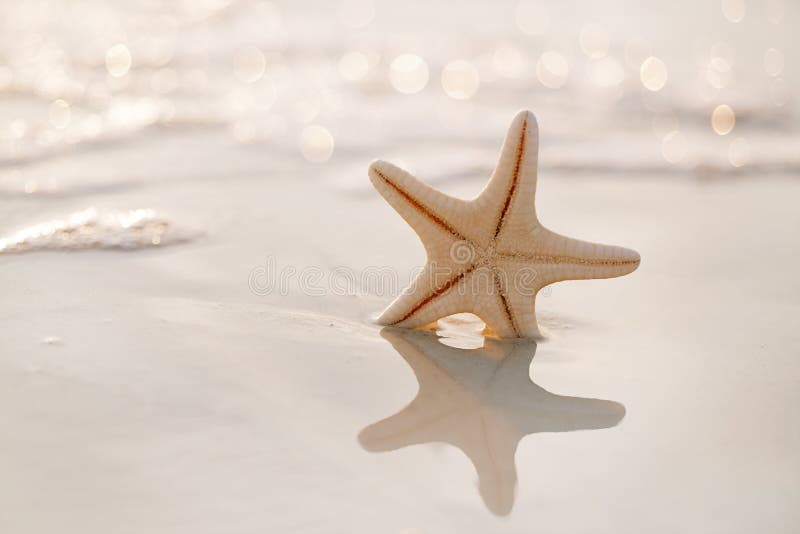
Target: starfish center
pixel 477 254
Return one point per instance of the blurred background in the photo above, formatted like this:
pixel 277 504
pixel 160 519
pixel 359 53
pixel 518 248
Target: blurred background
pixel 683 88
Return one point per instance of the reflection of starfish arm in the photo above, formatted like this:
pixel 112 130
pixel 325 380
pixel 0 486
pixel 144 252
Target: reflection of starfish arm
pixel 412 424
pixel 568 414
pixel 490 448
pixel 457 419
pixel 534 409
pixel 483 402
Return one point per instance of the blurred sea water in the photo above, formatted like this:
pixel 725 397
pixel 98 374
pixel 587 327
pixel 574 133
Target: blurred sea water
pixel 698 89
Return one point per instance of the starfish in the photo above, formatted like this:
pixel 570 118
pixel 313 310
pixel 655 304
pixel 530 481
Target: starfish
pixel 483 402
pixel 489 255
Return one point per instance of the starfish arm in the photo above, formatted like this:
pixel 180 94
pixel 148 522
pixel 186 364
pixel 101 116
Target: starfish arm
pixel 518 284
pixel 471 290
pixel 439 397
pixel 492 305
pixel 434 216
pixel 508 199
pixel 523 308
pixel 438 291
pixel 555 257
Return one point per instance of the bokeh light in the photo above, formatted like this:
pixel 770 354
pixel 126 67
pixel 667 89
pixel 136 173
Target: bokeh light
pixel 316 143
pixel 353 66
pixel 249 64
pixel 408 73
pixel 606 72
pixel 263 73
pixel 552 69
pixel 723 119
pixel 718 73
pixel 594 41
pixel 460 79
pixel 773 62
pixel 118 60
pixel 734 10
pixel 653 74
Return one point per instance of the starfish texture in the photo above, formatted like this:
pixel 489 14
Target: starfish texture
pixel 489 255
pixel 483 402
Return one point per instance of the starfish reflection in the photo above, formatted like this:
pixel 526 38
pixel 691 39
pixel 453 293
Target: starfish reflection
pixel 483 402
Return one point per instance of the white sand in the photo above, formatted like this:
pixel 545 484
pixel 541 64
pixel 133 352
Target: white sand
pixel 174 399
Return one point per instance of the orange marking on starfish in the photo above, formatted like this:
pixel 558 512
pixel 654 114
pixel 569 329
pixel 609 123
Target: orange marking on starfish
pixel 439 292
pixel 421 207
pixel 515 177
pixel 506 305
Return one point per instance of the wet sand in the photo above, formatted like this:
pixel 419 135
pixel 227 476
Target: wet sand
pixel 161 390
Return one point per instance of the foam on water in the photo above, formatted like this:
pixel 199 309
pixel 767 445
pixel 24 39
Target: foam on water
pixel 91 229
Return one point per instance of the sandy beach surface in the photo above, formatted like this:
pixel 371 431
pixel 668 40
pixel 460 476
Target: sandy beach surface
pixel 189 278
pixel 157 391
